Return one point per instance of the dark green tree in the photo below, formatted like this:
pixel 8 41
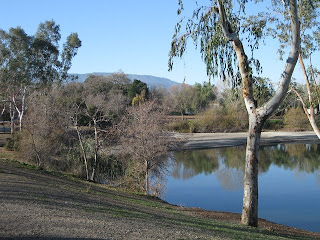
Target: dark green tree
pixel 136 88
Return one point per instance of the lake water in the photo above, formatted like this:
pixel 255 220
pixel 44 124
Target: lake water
pixel 289 182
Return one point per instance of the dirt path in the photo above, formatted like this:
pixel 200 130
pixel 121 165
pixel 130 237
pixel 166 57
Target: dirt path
pixel 42 205
pixel 217 140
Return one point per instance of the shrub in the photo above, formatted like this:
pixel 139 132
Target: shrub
pixel 295 119
pixel 273 124
pixel 9 144
pixel 183 126
pixel 13 143
pixel 229 118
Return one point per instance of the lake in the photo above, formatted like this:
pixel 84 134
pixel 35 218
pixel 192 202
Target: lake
pixel 289 182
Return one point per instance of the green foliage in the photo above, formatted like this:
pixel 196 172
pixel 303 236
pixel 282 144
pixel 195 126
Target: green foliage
pixel 262 90
pixel 13 143
pixel 273 124
pixel 295 119
pixel 183 126
pixel 136 88
pixel 36 59
pixel 9 144
pixel 204 29
pixel 203 95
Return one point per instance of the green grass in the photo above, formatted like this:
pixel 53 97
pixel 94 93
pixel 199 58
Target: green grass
pixel 121 204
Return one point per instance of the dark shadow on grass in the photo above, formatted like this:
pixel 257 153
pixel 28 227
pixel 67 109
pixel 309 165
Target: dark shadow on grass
pixel 49 238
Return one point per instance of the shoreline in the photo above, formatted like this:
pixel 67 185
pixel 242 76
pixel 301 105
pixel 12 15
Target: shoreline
pixel 40 204
pixel 194 141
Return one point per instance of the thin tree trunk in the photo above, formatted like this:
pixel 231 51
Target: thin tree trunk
pixel 2 112
pixel 20 112
pixel 96 149
pixel 12 115
pixel 83 152
pixel 311 116
pixel 182 115
pixel 146 180
pixel 39 161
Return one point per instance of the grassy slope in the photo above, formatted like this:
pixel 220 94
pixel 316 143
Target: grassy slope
pixel 136 211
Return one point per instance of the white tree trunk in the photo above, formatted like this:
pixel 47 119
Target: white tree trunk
pixel 12 116
pixel 23 105
pixel 96 149
pixel 250 193
pixel 257 116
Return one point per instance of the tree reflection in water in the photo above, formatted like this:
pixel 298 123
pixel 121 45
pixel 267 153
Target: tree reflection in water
pixel 228 163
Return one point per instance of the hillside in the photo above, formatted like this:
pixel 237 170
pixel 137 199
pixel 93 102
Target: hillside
pixel 151 81
pixel 39 204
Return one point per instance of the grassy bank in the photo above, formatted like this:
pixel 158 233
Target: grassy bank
pixel 36 203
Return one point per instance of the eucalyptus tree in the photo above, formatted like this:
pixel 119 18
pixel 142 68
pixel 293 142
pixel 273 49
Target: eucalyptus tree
pixel 28 62
pixel 15 68
pixel 219 30
pixel 310 41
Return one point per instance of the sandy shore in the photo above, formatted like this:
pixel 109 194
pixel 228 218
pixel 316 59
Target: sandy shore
pixel 217 140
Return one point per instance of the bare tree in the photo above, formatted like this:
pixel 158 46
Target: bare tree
pixel 145 140
pixel 102 111
pixel 180 98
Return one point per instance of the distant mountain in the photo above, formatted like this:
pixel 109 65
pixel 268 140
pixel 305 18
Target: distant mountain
pixel 151 81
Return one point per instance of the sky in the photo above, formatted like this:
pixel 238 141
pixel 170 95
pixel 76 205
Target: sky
pixel 133 36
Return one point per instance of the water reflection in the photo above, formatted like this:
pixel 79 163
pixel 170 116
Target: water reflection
pixel 229 163
pixel 289 181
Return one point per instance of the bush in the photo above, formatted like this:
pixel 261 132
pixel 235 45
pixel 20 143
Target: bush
pixel 183 126
pixel 295 119
pixel 9 144
pixel 273 124
pixel 230 118
pixel 13 143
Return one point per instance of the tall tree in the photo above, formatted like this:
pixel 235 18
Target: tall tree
pixel 310 38
pixel 28 62
pixel 219 29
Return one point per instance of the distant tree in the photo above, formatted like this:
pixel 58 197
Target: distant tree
pixel 116 82
pixel 180 98
pixel 29 62
pixel 145 140
pixel 102 111
pixel 138 88
pixel 204 94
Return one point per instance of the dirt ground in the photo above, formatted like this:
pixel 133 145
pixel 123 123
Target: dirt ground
pixel 35 204
pixel 218 140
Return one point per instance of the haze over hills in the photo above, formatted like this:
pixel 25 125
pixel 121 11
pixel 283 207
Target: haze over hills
pixel 151 81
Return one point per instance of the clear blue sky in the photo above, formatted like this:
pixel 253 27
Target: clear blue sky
pixel 131 35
